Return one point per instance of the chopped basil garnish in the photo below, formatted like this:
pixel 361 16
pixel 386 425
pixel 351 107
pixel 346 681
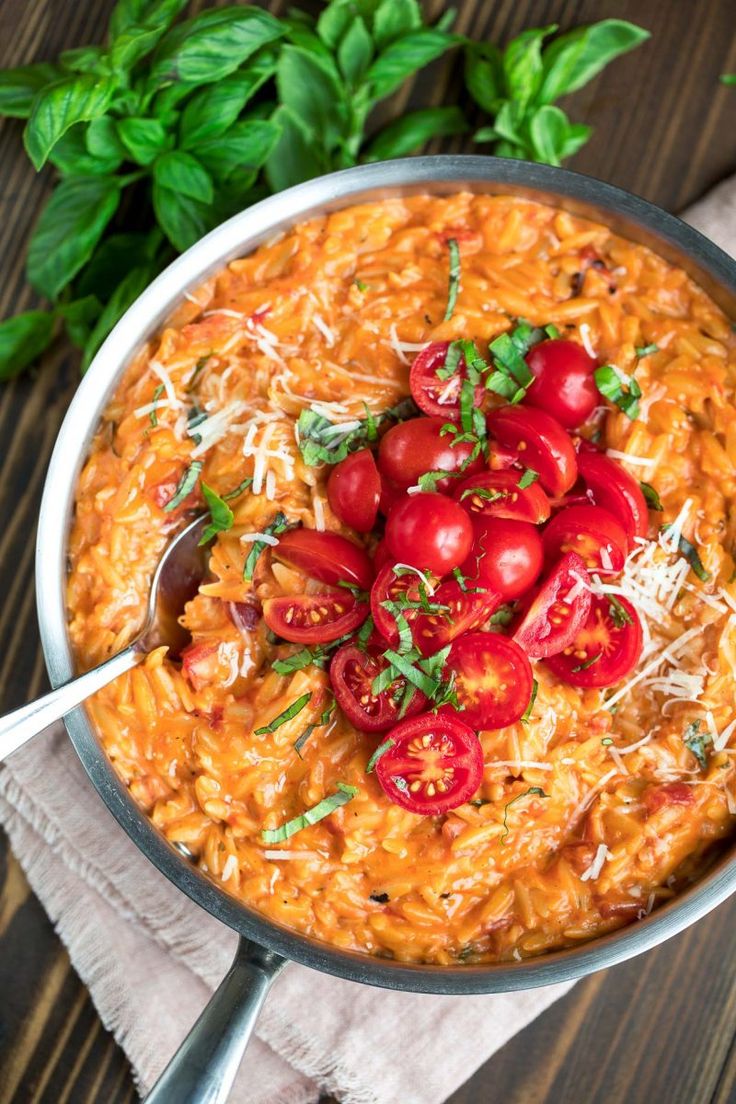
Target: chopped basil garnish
pixel 361 286
pixel 593 659
pixel 504 615
pixel 153 416
pixel 403 627
pixel 619 614
pixel 428 481
pixel 364 633
pixel 278 525
pixel 322 442
pixel 194 419
pixel 453 286
pixel 462 582
pixel 326 806
pixel 607 741
pixel 646 350
pixel 451 362
pixel 198 369
pixel 695 741
pixel 652 498
pixel 530 476
pixel 186 485
pixel 308 657
pixel 357 592
pixel 220 513
pixel 486 494
pixel 533 791
pixel 324 719
pixel 528 712
pixel 691 554
pixel 380 750
pixel 288 715
pixel 237 491
pixel 512 375
pixel 613 387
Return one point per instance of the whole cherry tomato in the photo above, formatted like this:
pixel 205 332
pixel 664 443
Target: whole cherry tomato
pixel 564 383
pixel 506 557
pixel 354 490
pixel 430 532
pixel 412 448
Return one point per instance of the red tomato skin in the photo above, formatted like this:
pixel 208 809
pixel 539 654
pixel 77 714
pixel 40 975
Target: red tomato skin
pixel 326 557
pixel 390 495
pixel 467 761
pixel 354 490
pixel 199 663
pixel 670 793
pixel 534 633
pixel 412 448
pixel 389 587
pixel 507 556
pixel 613 488
pixel 564 383
pixel 289 616
pixel 430 532
pixel 352 671
pixel 468 611
pixel 612 667
pixel 542 444
pixel 585 530
pixel 381 557
pixel 528 504
pixel 474 657
pixel 426 386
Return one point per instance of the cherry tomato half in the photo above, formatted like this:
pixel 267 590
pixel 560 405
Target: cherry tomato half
pixel 314 618
pixel 497 494
pixel 590 531
pixel 605 650
pixel 466 609
pixel 412 448
pixel 616 491
pixel 326 557
pixel 354 490
pixel 493 679
pixel 558 611
pixel 506 557
pixel 564 383
pixel 433 395
pixel 435 764
pixel 399 588
pixel 352 672
pixel 541 442
pixel 430 532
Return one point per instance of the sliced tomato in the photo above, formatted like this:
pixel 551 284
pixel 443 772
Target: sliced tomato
pixel 498 494
pixel 314 618
pixel 605 650
pixel 558 611
pixel 436 396
pixel 493 679
pixel 541 442
pixel 590 531
pixel 412 448
pixel 506 556
pixel 402 589
pixel 435 764
pixel 465 610
pixel 326 557
pixel 352 672
pixel 354 490
pixel 200 664
pixel 616 491
pixel 430 532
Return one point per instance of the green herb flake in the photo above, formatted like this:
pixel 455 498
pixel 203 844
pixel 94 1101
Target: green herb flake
pixel 651 497
pixel 619 614
pixel 185 486
pixel 453 286
pixel 528 712
pixel 220 513
pixel 590 662
pixel 451 362
pixel 361 286
pixel 625 395
pixel 646 350
pixel 530 476
pixel 691 554
pixel 695 741
pixel 198 369
pixel 323 809
pixel 324 719
pixel 607 741
pixel 153 416
pixel 504 615
pixel 533 791
pixel 288 715
pixel 236 492
pixel 324 442
pixel 428 481
pixel 380 750
pixel 278 525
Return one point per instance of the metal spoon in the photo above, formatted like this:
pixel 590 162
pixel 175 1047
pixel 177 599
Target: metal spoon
pixel 175 581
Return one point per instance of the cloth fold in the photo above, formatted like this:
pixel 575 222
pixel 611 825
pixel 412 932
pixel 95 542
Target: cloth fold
pixel 151 958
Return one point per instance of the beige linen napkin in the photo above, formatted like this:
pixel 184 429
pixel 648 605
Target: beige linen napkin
pixel 151 958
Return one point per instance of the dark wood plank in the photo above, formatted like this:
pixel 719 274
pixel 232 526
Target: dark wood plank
pixel 658 1028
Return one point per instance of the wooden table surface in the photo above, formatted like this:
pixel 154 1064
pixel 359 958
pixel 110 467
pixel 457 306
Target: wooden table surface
pixel 660 1028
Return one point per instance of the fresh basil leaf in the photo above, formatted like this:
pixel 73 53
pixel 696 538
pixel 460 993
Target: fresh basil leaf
pixel 522 64
pixel 102 140
pixel 212 44
pixel 575 58
pixel 277 526
pixel 79 317
pixel 727 78
pixel 59 106
pixel 144 139
pixel 125 294
pixel 380 750
pixel 548 131
pixel 294 157
pixel 310 88
pixel 651 496
pixel 288 714
pixel 453 284
pixel 244 147
pixel 184 220
pixel 576 137
pixel 71 156
pixel 221 515
pixel 334 20
pixel 408 132
pixel 210 112
pixel 355 52
pixel 509 122
pixel 402 58
pixel 612 386
pixel 484 76
pixel 68 230
pixel 86 59
pixel 23 339
pixel 185 486
pixel 137 25
pixel 395 18
pixel 326 806
pixel 18 87
pixel 182 173
pixel 114 257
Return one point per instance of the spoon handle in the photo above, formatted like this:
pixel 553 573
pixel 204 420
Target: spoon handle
pixel 18 727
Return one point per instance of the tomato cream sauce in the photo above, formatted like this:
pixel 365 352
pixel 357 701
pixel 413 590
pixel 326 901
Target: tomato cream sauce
pixel 600 805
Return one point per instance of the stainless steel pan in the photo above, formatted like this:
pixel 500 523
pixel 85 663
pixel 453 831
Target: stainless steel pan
pixel 205 1066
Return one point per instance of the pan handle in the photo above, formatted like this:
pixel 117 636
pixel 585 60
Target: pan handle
pixel 204 1067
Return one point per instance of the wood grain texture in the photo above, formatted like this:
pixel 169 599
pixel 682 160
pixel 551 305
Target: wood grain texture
pixel 660 1028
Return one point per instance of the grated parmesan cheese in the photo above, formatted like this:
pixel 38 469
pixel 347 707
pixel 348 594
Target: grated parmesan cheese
pixel 585 338
pixel 324 329
pixel 266 538
pixel 629 458
pixel 158 369
pixel 593 871
pixel 230 868
pixel 307 855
